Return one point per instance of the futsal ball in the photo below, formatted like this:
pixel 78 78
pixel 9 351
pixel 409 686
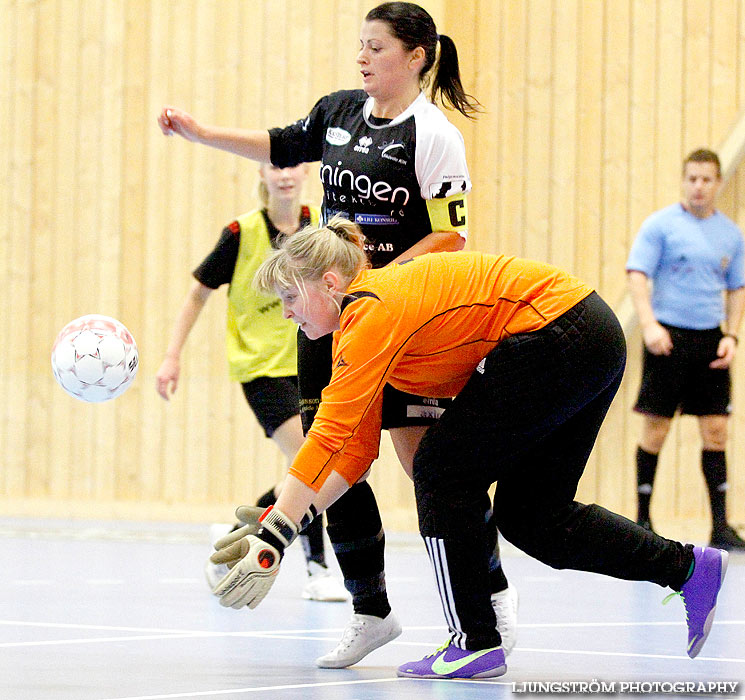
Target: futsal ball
pixel 94 358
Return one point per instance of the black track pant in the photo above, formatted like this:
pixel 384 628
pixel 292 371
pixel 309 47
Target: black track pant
pixel 529 422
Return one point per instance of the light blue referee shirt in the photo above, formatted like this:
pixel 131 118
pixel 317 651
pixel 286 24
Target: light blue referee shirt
pixel 690 261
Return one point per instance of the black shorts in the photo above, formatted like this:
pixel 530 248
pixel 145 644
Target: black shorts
pixel 401 409
pixel 683 380
pixel 314 373
pixel 273 400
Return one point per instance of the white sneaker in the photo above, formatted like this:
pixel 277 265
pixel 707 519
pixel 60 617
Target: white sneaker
pixel 214 573
pixel 322 586
pixel 363 634
pixel 505 605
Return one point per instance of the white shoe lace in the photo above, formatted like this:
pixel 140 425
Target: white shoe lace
pixel 361 635
pixel 352 631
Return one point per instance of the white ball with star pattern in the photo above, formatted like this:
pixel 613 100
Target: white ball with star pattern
pixel 95 358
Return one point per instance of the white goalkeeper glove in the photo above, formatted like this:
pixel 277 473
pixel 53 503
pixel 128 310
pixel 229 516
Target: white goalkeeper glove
pixel 228 554
pixel 254 558
pixel 250 579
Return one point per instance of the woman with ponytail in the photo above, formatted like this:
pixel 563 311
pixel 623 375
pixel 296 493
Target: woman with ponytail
pixel 393 164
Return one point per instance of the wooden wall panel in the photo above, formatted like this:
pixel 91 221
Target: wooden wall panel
pixel 136 119
pixel 22 37
pixel 614 218
pixel 589 141
pixel 537 153
pixel 63 251
pixel 41 242
pixel 510 167
pixel 7 91
pixel 563 182
pixel 589 108
pixel 483 80
pixel 153 318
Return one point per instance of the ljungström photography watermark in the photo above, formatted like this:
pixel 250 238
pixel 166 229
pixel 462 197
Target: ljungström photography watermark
pixel 599 687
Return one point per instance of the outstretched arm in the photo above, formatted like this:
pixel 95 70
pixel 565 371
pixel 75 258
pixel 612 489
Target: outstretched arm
pixel 253 144
pixel 254 559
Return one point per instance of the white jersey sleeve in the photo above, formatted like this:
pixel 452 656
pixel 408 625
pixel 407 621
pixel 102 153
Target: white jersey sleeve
pixel 441 167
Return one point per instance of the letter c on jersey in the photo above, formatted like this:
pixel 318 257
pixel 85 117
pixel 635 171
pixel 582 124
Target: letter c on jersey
pixel 456 218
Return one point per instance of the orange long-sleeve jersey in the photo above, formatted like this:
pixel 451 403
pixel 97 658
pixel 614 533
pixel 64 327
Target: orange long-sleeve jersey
pixel 422 326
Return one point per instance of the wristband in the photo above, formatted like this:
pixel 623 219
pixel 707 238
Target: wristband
pixel 733 336
pixel 278 526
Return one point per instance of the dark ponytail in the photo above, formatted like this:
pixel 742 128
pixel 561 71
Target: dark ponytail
pixel 446 80
pixel 413 26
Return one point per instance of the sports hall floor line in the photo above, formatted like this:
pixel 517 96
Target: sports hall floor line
pixel 146 634
pixel 302 686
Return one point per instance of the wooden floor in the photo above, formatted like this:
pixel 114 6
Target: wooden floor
pixel 121 611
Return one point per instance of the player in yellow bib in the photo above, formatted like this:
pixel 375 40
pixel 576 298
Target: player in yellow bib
pixel 261 345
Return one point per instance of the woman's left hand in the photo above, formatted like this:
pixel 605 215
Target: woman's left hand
pixel 251 578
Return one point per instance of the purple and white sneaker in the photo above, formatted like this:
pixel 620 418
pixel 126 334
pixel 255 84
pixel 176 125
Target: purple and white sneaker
pixel 699 594
pixel 452 662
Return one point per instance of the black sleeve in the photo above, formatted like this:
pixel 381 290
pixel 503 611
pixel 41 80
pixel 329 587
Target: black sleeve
pixel 301 142
pixel 218 267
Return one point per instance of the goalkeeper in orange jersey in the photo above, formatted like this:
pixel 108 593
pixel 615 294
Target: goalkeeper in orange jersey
pixel 534 358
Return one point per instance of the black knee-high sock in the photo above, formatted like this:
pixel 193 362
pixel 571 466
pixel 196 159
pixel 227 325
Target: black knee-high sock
pixel 311 538
pixel 714 466
pixel 646 468
pixel 356 533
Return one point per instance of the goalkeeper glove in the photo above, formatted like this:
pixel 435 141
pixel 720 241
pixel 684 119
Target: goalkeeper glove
pixel 227 553
pixel 254 558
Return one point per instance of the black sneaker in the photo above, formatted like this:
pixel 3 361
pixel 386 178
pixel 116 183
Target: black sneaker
pixel 726 537
pixel 645 523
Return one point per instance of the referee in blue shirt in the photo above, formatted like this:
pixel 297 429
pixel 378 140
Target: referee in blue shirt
pixel 695 258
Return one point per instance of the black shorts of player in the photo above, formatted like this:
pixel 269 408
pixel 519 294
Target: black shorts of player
pixel 314 369
pixel 273 400
pixel 401 410
pixel 683 379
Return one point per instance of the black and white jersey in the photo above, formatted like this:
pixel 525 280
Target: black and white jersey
pixel 378 173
